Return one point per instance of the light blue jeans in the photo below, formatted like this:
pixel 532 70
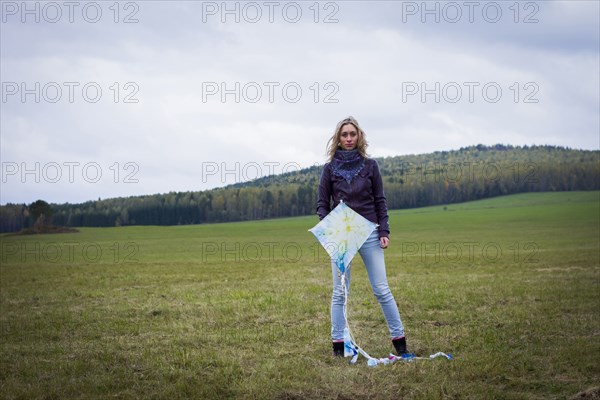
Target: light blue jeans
pixel 372 255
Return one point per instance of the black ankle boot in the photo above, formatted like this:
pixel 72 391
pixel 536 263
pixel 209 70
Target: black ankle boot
pixel 400 345
pixel 338 349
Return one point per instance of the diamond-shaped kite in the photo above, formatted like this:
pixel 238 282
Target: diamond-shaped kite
pixel 341 233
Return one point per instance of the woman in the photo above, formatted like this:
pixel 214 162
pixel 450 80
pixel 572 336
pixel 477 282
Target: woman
pixel 354 178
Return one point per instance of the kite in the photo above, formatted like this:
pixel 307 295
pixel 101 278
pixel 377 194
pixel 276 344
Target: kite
pixel 342 232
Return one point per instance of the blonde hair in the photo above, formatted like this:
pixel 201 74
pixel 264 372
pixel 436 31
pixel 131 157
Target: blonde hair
pixel 334 142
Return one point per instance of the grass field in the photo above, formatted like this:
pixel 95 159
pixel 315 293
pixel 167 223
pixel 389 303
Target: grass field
pixel 510 286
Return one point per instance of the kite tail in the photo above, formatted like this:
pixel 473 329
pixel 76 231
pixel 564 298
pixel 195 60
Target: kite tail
pixel 351 349
pixel 350 346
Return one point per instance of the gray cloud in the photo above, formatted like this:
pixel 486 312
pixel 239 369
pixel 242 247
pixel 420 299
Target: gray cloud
pixel 365 65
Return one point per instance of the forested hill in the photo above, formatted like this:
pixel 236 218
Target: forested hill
pixel 441 177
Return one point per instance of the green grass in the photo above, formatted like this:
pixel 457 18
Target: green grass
pixel 510 286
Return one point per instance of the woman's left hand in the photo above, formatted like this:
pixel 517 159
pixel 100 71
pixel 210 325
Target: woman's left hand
pixel 384 242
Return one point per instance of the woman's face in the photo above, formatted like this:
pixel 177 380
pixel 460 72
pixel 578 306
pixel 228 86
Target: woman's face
pixel 348 137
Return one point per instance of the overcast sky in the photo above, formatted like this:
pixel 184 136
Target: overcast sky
pixel 104 99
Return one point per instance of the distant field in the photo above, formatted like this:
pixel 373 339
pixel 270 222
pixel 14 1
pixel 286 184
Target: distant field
pixel 510 286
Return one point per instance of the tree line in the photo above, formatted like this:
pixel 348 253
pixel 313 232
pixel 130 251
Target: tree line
pixel 410 181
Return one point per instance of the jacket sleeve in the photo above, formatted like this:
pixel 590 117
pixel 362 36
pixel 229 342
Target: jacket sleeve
pixel 324 193
pixel 380 203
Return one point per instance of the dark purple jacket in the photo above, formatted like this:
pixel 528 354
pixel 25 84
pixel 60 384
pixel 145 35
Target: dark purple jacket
pixel 364 194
